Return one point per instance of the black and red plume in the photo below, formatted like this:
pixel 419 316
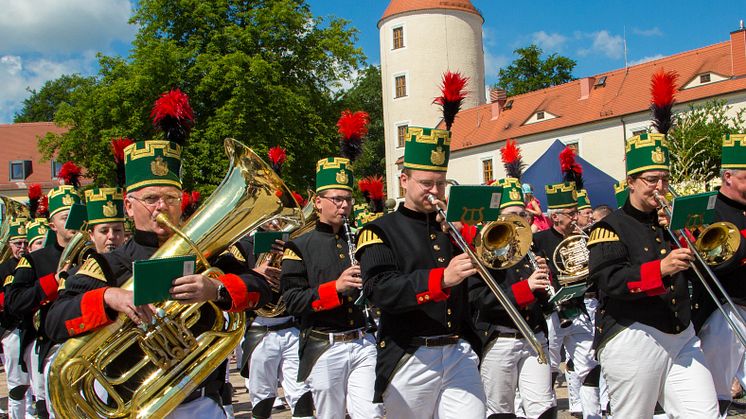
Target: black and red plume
pixel 34 195
pixel 173 115
pixel 375 190
pixel 452 96
pixel 299 199
pixel 117 147
pixel 70 174
pixel 189 203
pixel 512 160
pixel 42 210
pixel 277 157
pixel 352 127
pixel 364 186
pixel 571 170
pixel 663 91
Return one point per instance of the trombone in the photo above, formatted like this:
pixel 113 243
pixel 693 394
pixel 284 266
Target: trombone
pixel 500 242
pixel 699 258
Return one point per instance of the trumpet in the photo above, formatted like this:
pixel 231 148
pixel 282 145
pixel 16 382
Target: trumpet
pixel 503 243
pixel 710 237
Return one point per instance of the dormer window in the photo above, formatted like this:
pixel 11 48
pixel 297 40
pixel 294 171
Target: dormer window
pixel 601 82
pixel 540 115
pixel 508 105
pixel 704 78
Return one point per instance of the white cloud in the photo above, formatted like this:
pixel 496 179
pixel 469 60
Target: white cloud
pixel 63 26
pixel 488 36
pixel 646 59
pixel 493 63
pixel 655 31
pixel 549 42
pixel 604 43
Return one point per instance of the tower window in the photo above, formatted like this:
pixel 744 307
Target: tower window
pixel 401 135
pixel 487 170
pixel 401 86
pixel 398 37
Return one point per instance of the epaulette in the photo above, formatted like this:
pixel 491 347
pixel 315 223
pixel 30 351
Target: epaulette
pixel 8 280
pixel 602 235
pixel 289 254
pixel 233 250
pixel 92 269
pixel 23 263
pixel 367 237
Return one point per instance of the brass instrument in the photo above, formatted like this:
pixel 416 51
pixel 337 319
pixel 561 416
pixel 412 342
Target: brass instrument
pixel 76 251
pixel 501 244
pixel 188 341
pixel 11 209
pixel 571 258
pixel 716 242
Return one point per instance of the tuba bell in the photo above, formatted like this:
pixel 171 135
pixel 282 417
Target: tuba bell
pixel 76 251
pixel 173 360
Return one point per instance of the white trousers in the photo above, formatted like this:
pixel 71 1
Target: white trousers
pixel 643 366
pixel 437 382
pixel 344 375
pixel 14 373
pixel 511 363
pixel 47 366
pixel 276 358
pixel 723 351
pixel 578 341
pixel 202 408
pixel 37 378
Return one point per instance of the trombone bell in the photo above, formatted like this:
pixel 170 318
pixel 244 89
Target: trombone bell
pixel 718 242
pixel 504 242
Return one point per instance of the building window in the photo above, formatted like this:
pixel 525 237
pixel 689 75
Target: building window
pixel 401 86
pixel 56 166
pixel 638 132
pixel 540 115
pixel 398 37
pixel 401 135
pixel 704 78
pixel 487 170
pixel 20 170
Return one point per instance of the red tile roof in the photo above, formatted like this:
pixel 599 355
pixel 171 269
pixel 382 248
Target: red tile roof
pixel 396 7
pixel 626 91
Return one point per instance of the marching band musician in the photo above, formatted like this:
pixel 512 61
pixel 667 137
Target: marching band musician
pixel 35 284
pixel 508 362
pixel 320 284
pixel 91 298
pixel 105 215
pixel 723 352
pixel 17 378
pixel 644 337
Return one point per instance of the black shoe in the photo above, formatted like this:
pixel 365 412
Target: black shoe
pixel 577 414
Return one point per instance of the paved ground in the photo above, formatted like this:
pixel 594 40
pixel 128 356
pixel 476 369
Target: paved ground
pixel 242 406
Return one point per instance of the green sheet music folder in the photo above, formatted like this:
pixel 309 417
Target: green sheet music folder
pixel 473 204
pixel 693 210
pixel 153 277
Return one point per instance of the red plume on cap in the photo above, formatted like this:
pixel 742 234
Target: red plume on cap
pixel 352 126
pixel 512 160
pixel 663 91
pixel 375 187
pixel 452 95
pixel 189 203
pixel 299 199
pixel 34 193
pixel 42 211
pixel 117 147
pixel 277 157
pixel 173 115
pixel 364 186
pixel 70 174
pixel 571 170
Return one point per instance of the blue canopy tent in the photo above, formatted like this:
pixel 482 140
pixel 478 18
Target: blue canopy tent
pixel 546 170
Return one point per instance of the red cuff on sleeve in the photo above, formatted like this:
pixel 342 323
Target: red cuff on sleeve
pixel 523 294
pixel 2 301
pixel 241 298
pixel 92 313
pixel 328 297
pixel 651 282
pixel 434 290
pixel 743 233
pixel 49 285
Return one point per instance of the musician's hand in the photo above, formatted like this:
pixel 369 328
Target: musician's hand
pixel 539 280
pixel 271 274
pixel 437 203
pixel 350 279
pixel 123 301
pixel 542 262
pixel 676 261
pixel 194 288
pixel 662 218
pixel 278 247
pixel 458 269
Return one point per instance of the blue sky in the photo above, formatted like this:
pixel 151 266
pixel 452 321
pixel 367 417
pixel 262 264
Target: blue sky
pixel 43 39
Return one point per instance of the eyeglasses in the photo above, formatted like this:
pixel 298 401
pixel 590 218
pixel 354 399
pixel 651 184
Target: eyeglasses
pixel 338 200
pixel 569 214
pixel 152 200
pixel 428 184
pixel 653 180
pixel 19 243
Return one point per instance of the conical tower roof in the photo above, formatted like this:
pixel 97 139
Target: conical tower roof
pixel 396 7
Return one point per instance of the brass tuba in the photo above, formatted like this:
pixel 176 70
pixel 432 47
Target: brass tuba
pixel 171 361
pixel 11 209
pixel 76 251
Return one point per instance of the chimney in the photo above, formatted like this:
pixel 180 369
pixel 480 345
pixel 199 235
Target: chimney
pixel 738 52
pixel 586 84
pixel 497 99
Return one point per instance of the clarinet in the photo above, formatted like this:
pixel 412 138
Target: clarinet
pixel 350 240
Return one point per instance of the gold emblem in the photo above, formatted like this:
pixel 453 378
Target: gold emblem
pixel 159 167
pixel 658 156
pixel 514 195
pixel 67 200
pixel 438 156
pixel 475 215
pixel 574 195
pixel 109 209
pixel 42 230
pixel 342 177
pixel 22 230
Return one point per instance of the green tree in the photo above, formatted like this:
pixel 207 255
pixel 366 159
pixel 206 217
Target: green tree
pixel 41 106
pixel 263 72
pixel 530 72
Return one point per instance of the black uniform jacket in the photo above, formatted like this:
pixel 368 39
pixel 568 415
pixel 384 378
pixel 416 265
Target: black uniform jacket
pixel 311 265
pixel 489 313
pixel 626 249
pixel 7 320
pixel 403 256
pixel 544 245
pixel 732 273
pixel 33 288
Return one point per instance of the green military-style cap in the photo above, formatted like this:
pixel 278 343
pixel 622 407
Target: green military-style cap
pixel 561 195
pixel 333 173
pixel 152 163
pixel 621 192
pixel 427 149
pixel 17 228
pixel 734 152
pixel 360 214
pixel 36 229
pixel 646 152
pixel 512 193
pixel 583 200
pixel 104 205
pixel 62 198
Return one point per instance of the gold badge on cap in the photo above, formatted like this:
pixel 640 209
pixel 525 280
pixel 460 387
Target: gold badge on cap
pixel 514 195
pixel 42 230
pixel 67 200
pixel 342 177
pixel 22 230
pixel 159 167
pixel 438 156
pixel 109 209
pixel 658 156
